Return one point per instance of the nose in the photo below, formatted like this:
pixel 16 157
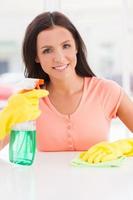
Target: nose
pixel 59 56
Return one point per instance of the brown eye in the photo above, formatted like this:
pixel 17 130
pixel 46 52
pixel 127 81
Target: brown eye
pixel 46 51
pixel 66 46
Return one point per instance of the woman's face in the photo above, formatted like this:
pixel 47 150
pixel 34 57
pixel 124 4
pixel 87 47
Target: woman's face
pixel 56 52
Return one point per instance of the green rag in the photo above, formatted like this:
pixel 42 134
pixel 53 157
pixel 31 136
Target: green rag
pixel 114 163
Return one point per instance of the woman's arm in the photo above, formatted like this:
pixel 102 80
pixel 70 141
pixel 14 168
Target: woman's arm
pixel 4 142
pixel 125 112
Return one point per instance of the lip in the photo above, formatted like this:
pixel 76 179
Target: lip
pixel 60 67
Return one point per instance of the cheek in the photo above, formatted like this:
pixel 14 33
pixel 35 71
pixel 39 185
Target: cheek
pixel 71 54
pixel 45 62
pixel 73 61
pixel 44 65
pixel 73 58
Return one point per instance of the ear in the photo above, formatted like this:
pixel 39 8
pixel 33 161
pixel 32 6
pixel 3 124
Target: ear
pixel 36 60
pixel 76 50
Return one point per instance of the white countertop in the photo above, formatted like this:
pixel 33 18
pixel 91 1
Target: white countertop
pixel 52 177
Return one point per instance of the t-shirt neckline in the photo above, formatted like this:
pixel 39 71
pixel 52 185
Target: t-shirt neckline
pixel 52 107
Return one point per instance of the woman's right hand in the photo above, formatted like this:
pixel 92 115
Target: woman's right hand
pixel 21 107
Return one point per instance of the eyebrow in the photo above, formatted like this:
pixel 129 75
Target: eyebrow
pixel 49 46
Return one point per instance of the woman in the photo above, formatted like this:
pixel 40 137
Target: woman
pixel 78 111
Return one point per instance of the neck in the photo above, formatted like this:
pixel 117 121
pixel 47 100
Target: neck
pixel 66 86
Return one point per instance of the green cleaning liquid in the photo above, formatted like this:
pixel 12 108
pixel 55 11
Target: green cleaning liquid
pixel 22 145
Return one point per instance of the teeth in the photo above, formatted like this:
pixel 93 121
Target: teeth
pixel 60 67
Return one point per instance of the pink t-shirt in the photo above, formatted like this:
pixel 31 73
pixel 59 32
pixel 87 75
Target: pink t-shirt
pixel 88 125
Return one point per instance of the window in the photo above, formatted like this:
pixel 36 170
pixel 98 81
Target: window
pixel 4 66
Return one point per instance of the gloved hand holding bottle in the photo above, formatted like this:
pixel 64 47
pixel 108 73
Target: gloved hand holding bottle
pixel 21 107
pixel 108 151
pixel 18 120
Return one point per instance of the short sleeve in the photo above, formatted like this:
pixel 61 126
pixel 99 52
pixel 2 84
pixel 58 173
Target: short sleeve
pixel 110 97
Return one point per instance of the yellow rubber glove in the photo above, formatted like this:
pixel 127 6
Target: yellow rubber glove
pixel 106 151
pixel 125 146
pixel 21 107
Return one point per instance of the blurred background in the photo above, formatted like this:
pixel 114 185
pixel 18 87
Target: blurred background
pixel 106 27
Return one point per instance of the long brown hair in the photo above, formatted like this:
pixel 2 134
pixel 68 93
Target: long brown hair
pixel 44 21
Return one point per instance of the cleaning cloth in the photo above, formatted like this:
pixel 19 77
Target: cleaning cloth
pixel 114 163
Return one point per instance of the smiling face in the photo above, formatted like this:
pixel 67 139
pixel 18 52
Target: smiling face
pixel 56 52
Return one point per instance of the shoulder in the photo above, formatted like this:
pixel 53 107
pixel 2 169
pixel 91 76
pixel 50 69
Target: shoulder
pixel 101 84
pixel 107 92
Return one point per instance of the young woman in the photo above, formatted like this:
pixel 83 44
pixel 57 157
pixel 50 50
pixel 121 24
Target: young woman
pixel 78 111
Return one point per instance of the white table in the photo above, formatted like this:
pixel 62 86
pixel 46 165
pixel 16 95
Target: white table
pixel 52 177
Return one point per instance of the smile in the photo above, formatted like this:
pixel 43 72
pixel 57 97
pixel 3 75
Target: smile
pixel 61 67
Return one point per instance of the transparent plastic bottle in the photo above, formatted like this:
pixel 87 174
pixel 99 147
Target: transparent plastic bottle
pixel 22 145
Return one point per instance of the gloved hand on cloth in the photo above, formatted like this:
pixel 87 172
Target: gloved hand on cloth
pixel 108 151
pixel 21 107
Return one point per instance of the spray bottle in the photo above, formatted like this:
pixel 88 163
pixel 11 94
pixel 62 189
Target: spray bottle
pixel 22 144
